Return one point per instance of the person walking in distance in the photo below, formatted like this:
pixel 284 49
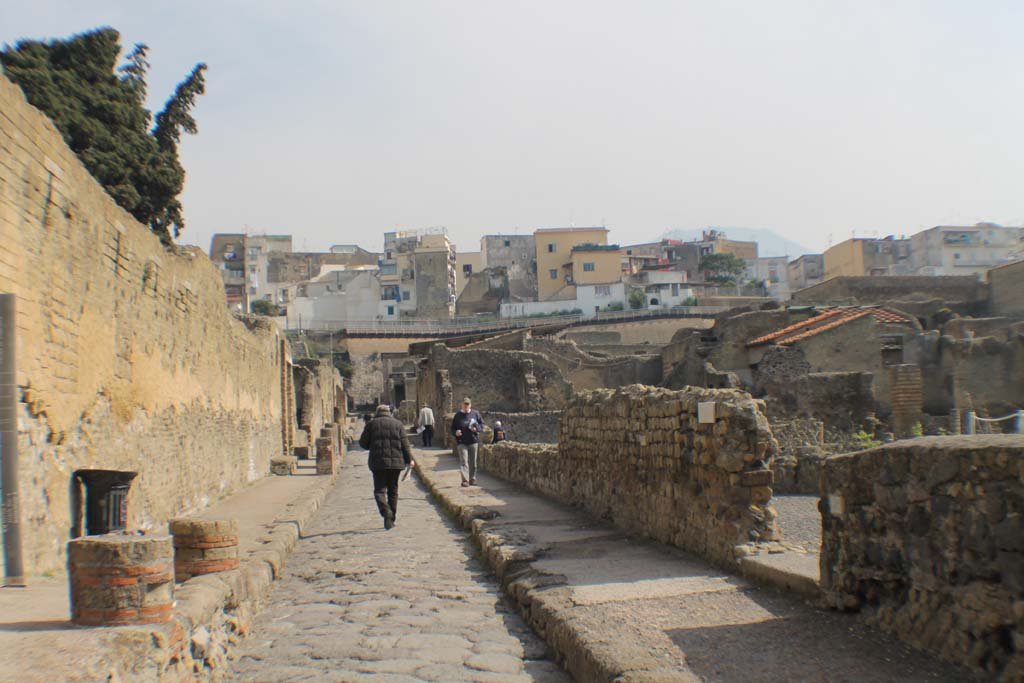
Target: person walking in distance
pixel 499 433
pixel 390 454
pixel 426 422
pixel 466 428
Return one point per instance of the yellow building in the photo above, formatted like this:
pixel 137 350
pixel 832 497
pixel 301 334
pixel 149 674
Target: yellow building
pixel 554 250
pixel 868 256
pixel 593 264
pixel 466 263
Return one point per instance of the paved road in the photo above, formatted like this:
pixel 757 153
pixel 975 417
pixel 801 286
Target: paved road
pixel 357 602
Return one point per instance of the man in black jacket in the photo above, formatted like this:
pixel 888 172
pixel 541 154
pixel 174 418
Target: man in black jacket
pixel 467 425
pixel 385 438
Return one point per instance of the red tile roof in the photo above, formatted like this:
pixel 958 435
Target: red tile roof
pixel 829 320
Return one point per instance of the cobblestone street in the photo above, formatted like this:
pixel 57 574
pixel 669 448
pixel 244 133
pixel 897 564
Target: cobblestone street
pixel 356 602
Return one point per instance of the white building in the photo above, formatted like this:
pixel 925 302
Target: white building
pixel 336 297
pixel 662 288
pixel 590 300
pixel 773 271
pixel 953 250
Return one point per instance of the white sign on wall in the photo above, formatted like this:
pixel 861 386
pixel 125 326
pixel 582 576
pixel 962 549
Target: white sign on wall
pixel 706 412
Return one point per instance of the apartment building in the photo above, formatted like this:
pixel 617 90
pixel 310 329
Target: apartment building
pixel 417 274
pixel 554 251
pixel 517 254
pixel 960 250
pixel 868 256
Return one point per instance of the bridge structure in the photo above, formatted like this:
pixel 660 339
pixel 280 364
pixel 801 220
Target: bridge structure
pixel 457 327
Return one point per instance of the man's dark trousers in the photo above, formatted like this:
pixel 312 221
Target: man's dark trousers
pixel 385 492
pixel 428 436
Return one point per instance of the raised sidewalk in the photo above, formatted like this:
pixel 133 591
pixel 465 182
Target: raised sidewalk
pixel 614 607
pixel 39 643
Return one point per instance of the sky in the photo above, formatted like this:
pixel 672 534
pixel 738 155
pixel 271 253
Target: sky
pixel 335 121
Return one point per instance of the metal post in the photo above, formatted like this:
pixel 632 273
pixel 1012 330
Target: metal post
pixel 969 422
pixel 1019 422
pixel 14 573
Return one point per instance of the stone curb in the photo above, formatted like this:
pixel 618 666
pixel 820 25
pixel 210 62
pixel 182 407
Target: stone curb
pixel 543 598
pixel 213 611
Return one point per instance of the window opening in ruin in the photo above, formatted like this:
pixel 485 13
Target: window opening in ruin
pixel 100 500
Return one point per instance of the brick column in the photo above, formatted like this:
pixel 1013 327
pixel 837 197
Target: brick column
pixel 121 578
pixel 907 398
pixel 204 546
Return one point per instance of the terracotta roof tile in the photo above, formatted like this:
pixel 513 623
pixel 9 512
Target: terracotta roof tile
pixel 828 320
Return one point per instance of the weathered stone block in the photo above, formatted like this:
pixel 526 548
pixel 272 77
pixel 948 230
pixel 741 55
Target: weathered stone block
pixel 284 465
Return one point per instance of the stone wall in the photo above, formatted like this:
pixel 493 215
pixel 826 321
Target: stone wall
pixel 926 537
pixel 317 384
pixel 885 290
pixel 127 356
pixel 842 400
pixel 1006 284
pixel 585 371
pixel 537 427
pixel 798 464
pixel 638 456
pixel 506 381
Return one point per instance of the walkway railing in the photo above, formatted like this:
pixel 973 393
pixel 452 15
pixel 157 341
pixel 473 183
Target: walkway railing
pixel 457 326
pixel 972 421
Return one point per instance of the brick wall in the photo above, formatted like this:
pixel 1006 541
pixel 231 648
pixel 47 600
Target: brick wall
pixel 127 356
pixel 926 537
pixel 639 457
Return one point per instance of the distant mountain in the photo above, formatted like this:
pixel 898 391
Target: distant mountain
pixel 768 243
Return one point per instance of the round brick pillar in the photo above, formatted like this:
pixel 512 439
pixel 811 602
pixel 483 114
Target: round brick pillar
pixel 121 578
pixel 204 546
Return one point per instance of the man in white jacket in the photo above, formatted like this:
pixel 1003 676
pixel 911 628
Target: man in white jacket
pixel 426 422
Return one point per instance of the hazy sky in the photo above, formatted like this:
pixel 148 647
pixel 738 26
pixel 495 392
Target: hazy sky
pixel 335 121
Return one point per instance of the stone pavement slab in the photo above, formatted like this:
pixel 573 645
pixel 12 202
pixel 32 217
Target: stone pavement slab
pixel 357 602
pixel 615 607
pixel 39 643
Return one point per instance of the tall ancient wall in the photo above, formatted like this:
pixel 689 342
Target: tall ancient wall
pixel 640 457
pixel 926 537
pixel 886 290
pixel 1006 284
pixel 127 356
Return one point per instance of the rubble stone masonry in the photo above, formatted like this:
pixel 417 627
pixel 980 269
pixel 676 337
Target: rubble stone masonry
pixel 926 536
pixel 640 457
pixel 127 356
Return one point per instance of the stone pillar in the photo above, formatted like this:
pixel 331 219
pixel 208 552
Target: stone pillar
pixel 121 578
pixel 204 546
pixel 907 398
pixel 325 461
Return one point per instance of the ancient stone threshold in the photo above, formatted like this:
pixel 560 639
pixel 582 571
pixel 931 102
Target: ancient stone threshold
pixel 213 611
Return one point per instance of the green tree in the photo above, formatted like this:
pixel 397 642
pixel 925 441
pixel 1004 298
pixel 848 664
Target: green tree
pixel 99 108
pixel 725 268
pixel 636 298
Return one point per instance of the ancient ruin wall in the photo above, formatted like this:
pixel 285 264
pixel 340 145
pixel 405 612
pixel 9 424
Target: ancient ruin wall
pixel 927 537
pixel 537 427
pixel 127 356
pixel 1006 284
pixel 640 457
